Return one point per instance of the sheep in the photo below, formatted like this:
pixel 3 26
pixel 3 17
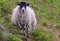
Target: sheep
pixel 24 17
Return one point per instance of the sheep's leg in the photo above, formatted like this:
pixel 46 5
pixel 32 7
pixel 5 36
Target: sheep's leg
pixel 21 31
pixel 34 24
pixel 29 29
pixel 25 30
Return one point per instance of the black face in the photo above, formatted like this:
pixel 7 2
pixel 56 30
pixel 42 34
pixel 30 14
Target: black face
pixel 23 4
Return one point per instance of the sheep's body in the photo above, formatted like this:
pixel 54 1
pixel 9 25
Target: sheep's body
pixel 28 18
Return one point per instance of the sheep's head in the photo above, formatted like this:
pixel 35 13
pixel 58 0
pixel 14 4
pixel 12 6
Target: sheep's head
pixel 22 6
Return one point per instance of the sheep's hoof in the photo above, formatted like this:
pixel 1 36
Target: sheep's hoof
pixel 24 38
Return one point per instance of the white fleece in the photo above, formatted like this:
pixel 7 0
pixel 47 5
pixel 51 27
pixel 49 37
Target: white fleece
pixel 29 17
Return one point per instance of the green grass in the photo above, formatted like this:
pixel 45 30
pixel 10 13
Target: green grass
pixel 47 14
pixel 41 35
pixel 12 37
pixel 5 36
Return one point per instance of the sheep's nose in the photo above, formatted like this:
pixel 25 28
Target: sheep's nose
pixel 22 10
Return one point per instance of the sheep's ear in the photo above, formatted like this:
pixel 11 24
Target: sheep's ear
pixel 27 4
pixel 18 3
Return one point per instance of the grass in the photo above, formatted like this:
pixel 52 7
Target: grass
pixel 12 37
pixel 41 35
pixel 47 14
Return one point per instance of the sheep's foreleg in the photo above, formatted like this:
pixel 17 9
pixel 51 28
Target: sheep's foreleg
pixel 25 30
pixel 21 31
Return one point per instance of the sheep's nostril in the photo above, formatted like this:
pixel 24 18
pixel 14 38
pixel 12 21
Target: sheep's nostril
pixel 23 10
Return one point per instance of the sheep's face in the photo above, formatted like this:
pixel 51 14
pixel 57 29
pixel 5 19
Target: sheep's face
pixel 23 6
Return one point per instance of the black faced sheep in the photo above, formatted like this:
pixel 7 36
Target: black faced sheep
pixel 24 17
